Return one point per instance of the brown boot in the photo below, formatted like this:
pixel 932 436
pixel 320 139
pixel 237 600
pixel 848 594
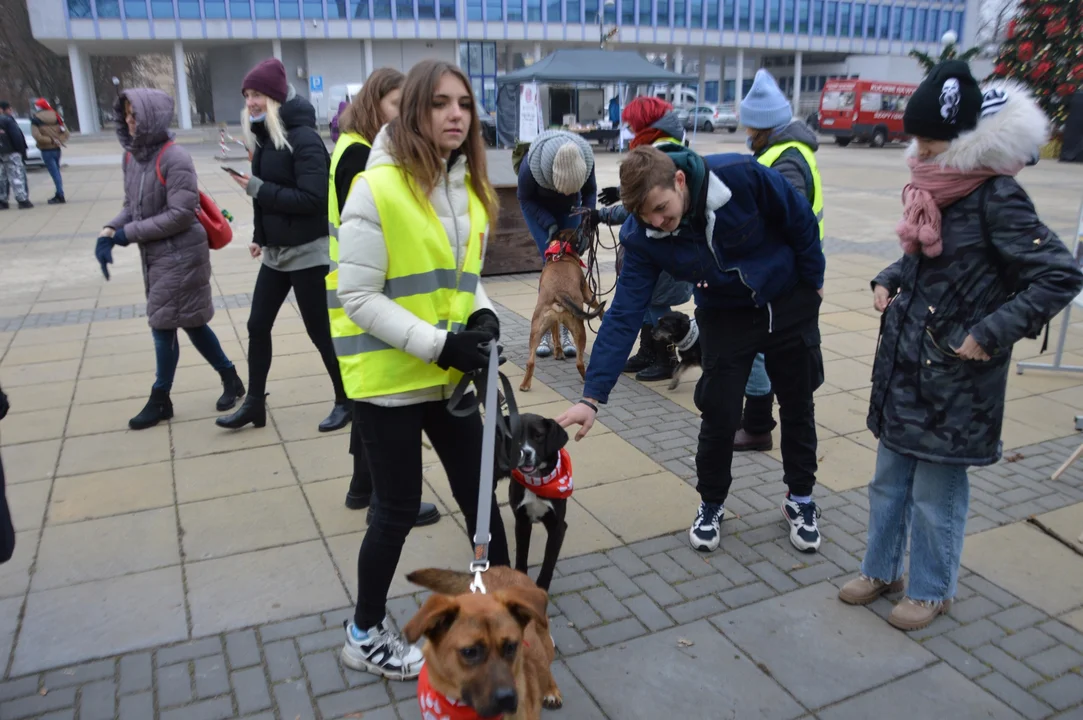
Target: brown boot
pixel 862 590
pixel 912 614
pixel 757 423
pixel 744 441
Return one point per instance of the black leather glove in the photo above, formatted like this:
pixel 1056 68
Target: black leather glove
pixel 120 238
pixel 103 251
pixel 609 196
pixel 465 351
pixel 486 321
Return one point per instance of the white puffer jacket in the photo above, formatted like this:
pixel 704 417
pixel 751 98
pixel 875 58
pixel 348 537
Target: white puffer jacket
pixel 362 270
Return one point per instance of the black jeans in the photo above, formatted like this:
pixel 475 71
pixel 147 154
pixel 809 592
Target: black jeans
pixel 788 334
pixel 361 482
pixel 272 287
pixel 392 441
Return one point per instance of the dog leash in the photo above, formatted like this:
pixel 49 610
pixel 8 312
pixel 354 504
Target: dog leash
pixel 488 383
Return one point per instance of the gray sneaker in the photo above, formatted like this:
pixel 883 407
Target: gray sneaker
pixel 381 651
pixel 567 344
pixel 545 347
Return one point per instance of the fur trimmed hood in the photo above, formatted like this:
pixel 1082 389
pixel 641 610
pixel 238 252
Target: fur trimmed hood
pixel 1003 141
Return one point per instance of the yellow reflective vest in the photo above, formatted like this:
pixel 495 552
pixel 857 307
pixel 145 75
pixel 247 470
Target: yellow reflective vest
pixel 422 277
pixel 772 154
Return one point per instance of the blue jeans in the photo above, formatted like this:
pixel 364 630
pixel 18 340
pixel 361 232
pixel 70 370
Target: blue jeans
pixel 51 158
pixel 758 383
pixel 927 501
pixel 167 352
pixel 654 312
pixel 541 235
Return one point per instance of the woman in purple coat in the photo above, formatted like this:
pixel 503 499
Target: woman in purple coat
pixel 161 195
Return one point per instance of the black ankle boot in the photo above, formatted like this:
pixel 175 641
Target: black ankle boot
pixel 254 410
pixel 665 362
pixel 232 389
pixel 644 357
pixel 757 422
pixel 25 204
pixel 158 408
pixel 340 417
pixel 57 199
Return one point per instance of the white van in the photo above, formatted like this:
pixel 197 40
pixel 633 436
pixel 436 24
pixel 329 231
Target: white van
pixel 338 94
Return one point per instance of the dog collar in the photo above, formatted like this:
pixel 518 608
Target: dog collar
pixel 557 485
pixel 435 706
pixel 558 249
pixel 690 339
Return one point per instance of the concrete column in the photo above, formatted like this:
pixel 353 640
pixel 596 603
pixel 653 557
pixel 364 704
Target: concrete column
pixel 739 86
pixel 368 58
pixel 722 78
pixel 701 86
pixel 797 58
pixel 84 92
pixel 180 74
pixel 537 51
pixel 276 49
pixel 678 67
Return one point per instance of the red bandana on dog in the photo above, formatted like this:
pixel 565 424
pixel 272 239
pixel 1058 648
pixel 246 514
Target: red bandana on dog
pixel 435 706
pixel 558 249
pixel 557 485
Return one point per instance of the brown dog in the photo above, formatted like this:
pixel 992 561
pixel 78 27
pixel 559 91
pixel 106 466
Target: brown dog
pixel 489 653
pixel 562 292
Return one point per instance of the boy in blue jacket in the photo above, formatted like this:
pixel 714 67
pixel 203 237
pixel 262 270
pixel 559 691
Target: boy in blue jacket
pixel 750 243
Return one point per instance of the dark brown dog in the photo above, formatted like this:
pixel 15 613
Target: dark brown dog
pixel 562 292
pixel 489 651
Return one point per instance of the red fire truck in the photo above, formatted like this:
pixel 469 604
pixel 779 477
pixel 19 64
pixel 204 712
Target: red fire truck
pixel 864 110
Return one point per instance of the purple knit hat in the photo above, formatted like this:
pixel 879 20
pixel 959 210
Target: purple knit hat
pixel 269 78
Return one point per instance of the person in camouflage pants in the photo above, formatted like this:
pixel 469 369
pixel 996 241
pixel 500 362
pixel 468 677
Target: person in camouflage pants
pixel 12 160
pixel 980 272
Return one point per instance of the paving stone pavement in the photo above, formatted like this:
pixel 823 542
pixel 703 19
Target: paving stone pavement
pixel 757 619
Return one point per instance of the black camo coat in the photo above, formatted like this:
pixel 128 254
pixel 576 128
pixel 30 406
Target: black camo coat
pixel 1000 286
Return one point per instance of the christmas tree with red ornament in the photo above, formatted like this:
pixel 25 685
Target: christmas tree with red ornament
pixel 1044 49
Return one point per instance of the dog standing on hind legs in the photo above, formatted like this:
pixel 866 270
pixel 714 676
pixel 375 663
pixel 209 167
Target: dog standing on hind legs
pixel 562 293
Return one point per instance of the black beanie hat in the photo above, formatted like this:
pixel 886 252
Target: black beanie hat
pixel 947 103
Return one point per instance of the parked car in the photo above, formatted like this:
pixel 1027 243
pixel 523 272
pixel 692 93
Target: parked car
pixel 33 155
pixel 707 118
pixel 488 126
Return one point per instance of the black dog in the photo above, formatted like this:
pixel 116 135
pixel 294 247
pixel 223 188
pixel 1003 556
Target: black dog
pixel 540 487
pixel 680 331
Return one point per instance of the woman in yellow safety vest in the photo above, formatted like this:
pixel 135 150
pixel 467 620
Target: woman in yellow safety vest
pixel 411 247
pixel 786 144
pixel 370 109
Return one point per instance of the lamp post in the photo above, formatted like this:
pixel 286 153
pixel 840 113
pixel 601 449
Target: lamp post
pixel 601 22
pixel 116 85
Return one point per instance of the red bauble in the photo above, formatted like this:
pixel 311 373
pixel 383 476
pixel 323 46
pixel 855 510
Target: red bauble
pixel 1001 70
pixel 1065 89
pixel 1041 70
pixel 1077 72
pixel 1056 27
pixel 1025 51
pixel 1046 10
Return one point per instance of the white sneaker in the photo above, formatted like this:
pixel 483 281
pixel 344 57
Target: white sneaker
pixel 706 532
pixel 567 344
pixel 804 535
pixel 545 347
pixel 381 651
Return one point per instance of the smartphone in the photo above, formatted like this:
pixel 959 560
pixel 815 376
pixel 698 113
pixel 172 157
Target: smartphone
pixel 232 172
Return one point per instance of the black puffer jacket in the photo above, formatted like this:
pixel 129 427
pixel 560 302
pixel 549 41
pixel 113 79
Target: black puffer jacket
pixel 1001 276
pixel 290 207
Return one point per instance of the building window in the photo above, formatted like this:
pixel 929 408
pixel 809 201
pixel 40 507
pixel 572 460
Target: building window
pixel 802 17
pixel 959 23
pixel 832 27
pixel 494 11
pixel 448 11
pixel 774 24
pixel 710 91
pixel 662 13
pixel 214 9
pixel 945 23
pixel 188 9
pixel 908 24
pixel 627 12
pixel 335 9
pixel 859 21
pixel 162 9
pixel 135 9
pixel 108 8
pixel 426 9
pixel 729 14
pixel 885 22
pixel 697 13
pixel 759 15
pixel 679 19
pixel 288 9
pixel 712 14
pixel 381 9
pixel 533 10
pixel 239 10
pixel 896 23
pixel 473 10
pixel 844 19
pixel 478 61
pixel 79 8
pixel 787 16
pixel 314 10
pixel 573 8
pixel 404 9
pixel 553 12
pixel 817 17
pixel 265 10
pixel 515 10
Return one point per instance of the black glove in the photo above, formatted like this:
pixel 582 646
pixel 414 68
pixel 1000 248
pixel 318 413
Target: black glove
pixel 594 217
pixel 104 252
pixel 485 321
pixel 609 196
pixel 119 238
pixel 466 351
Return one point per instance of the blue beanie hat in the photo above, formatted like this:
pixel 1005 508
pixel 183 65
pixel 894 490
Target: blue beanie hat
pixel 765 107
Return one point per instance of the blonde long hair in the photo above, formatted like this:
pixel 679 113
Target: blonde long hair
pixel 272 121
pixel 412 144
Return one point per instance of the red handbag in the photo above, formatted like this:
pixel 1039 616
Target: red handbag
pixel 219 231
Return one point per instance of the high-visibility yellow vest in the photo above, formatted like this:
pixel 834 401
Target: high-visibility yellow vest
pixel 422 277
pixel 773 153
pixel 345 142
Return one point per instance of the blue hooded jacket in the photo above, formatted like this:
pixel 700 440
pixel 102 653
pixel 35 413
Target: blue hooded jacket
pixel 750 236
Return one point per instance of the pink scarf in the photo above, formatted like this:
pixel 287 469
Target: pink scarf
pixel 931 188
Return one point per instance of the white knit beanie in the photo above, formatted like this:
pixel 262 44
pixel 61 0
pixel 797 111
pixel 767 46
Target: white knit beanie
pixel 569 170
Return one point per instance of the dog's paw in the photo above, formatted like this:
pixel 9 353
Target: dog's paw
pixel 674 383
pixel 524 386
pixel 553 700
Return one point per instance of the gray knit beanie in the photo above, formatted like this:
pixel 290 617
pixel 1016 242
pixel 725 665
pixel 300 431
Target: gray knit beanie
pixel 569 170
pixel 541 158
